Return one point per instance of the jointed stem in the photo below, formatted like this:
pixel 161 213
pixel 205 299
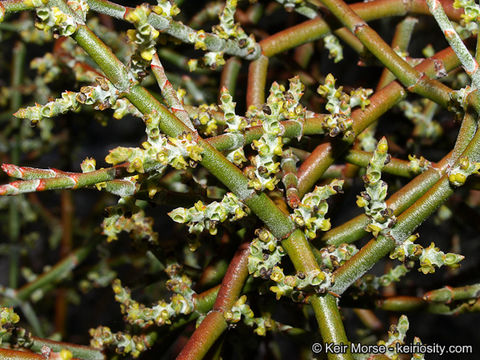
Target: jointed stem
pixel 214 323
pixel 278 222
pixel 408 221
pixel 353 230
pixel 380 102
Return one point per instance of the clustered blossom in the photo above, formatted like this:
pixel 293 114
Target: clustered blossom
pixel 396 335
pixel 56 19
pixel 158 151
pixel 265 253
pixel 370 284
pixel 8 318
pixel 334 48
pixel 161 313
pixel 310 213
pixel 459 174
pixel 281 105
pixel 470 8
pixel 373 198
pixel 166 8
pixel 47 66
pixel 418 165
pixel 234 315
pixel 123 343
pixel 8 321
pixel 235 125
pixel 102 95
pixel 293 285
pixel 367 140
pixel 421 114
pixel 340 105
pixel 206 217
pixel 290 178
pixel 429 257
pixel 332 257
pixel 139 226
pixel 144 36
pixel 204 118
pixel 229 29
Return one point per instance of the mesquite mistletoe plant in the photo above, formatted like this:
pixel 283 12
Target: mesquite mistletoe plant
pixel 243 154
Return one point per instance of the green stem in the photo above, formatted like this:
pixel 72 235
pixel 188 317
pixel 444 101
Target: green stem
pixel 331 326
pixel 324 155
pixel 230 75
pixel 324 306
pixel 169 93
pixel 277 221
pixel 61 180
pixel 411 78
pixel 353 230
pixel 400 42
pixel 177 29
pixel 214 323
pixel 56 273
pixel 454 40
pixel 7 354
pixel 257 79
pixel 408 221
pixel 448 294
pixel 78 351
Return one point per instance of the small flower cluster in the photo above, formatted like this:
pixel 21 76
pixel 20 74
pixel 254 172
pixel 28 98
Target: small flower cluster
pixel 103 95
pixel 294 110
pixel 234 315
pixel 418 165
pixel 144 36
pixel 459 174
pixel 334 48
pixel 100 276
pixel 166 8
pixel 139 226
pixel 369 284
pixel 396 335
pixel 200 216
pixel 8 319
pixel 429 258
pixel 265 254
pixel 124 344
pixel 30 34
pixel 161 313
pixel 421 114
pixel 290 178
pixel 373 198
pixel 332 257
pixel 235 125
pixel 310 213
pixel 470 8
pixel 158 152
pixel 367 140
pixel 340 105
pixel 56 19
pixel 47 66
pixel 203 117
pixel 228 29
pixel 292 285
pixel 280 105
